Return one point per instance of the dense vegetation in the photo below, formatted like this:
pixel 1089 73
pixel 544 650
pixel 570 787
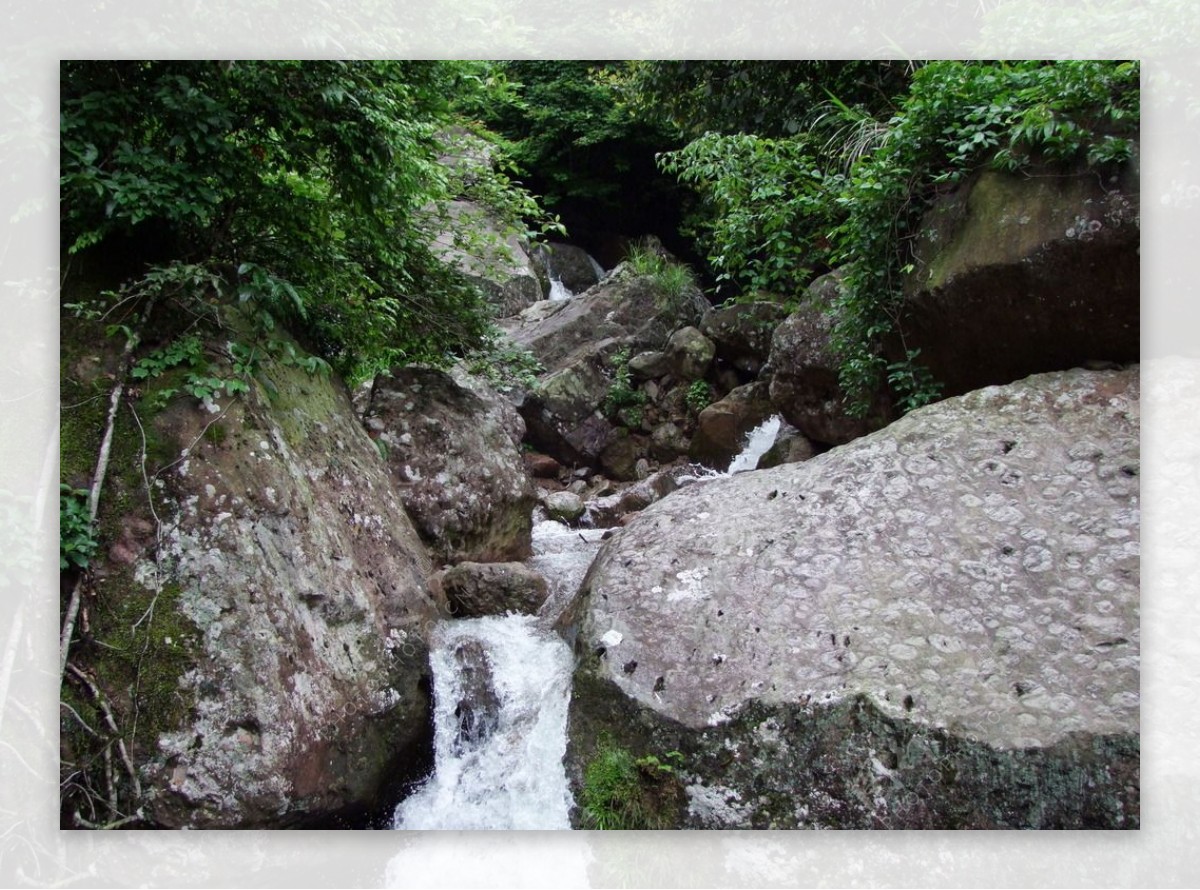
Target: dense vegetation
pixel 309 192
pixel 847 187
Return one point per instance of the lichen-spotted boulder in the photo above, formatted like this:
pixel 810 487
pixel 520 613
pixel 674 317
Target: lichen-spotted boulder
pixel 933 626
pixel 258 621
pixel 452 447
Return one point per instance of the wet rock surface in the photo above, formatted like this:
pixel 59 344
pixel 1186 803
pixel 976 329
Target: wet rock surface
pixel 571 265
pixel 721 428
pixel 963 583
pixel 475 589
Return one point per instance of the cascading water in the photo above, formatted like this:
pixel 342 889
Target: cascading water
pixel 558 290
pixel 501 689
pixel 758 443
pixel 562 555
pixel 501 686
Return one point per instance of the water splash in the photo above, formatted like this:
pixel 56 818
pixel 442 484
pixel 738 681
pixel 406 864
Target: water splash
pixel 501 686
pixel 758 443
pixel 562 555
pixel 558 290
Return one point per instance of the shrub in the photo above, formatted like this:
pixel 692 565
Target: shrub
pixel 699 396
pixel 77 542
pixel 849 189
pixel 623 398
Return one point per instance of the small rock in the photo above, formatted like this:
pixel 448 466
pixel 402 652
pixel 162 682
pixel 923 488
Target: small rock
pixel 564 506
pixel 475 589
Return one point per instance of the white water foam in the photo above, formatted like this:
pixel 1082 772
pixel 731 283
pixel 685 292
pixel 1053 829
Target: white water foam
pixel 562 555
pixel 558 290
pixel 758 443
pixel 512 777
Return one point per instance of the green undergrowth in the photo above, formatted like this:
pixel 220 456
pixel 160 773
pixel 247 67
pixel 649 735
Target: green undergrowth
pixel 848 189
pixel 672 280
pixel 622 792
pixel 624 401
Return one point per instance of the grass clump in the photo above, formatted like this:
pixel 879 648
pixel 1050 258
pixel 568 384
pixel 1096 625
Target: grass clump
pixel 672 280
pixel 624 793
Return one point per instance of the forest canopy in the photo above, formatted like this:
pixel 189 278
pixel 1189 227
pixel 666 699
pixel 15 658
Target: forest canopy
pixel 311 191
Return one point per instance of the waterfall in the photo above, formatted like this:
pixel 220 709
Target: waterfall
pixel 758 442
pixel 501 686
pixel 558 290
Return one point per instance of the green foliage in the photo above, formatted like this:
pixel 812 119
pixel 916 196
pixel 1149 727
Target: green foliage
pixel 623 793
pixel 849 190
pixel 913 383
pixel 699 396
pixel 624 400
pixel 957 117
pixel 766 207
pixel 504 364
pixel 570 126
pixel 77 542
pixel 768 98
pixel 311 190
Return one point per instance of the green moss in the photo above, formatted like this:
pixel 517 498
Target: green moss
pixel 142 646
pixel 216 434
pixel 84 390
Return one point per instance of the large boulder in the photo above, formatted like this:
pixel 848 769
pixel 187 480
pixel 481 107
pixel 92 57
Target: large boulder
pixel 571 265
pixel 627 307
pixel 577 342
pixel 721 428
pixel 1017 275
pixel 742 332
pixel 259 619
pixel 935 626
pixel 805 367
pixel 452 447
pixel 495 261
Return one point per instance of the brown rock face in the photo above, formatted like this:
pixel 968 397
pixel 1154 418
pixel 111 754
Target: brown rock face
pixel 571 265
pixel 472 589
pixel 1018 275
pixel 742 332
pixel 452 450
pixel 285 604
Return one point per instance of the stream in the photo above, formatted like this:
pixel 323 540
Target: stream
pixel 501 690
